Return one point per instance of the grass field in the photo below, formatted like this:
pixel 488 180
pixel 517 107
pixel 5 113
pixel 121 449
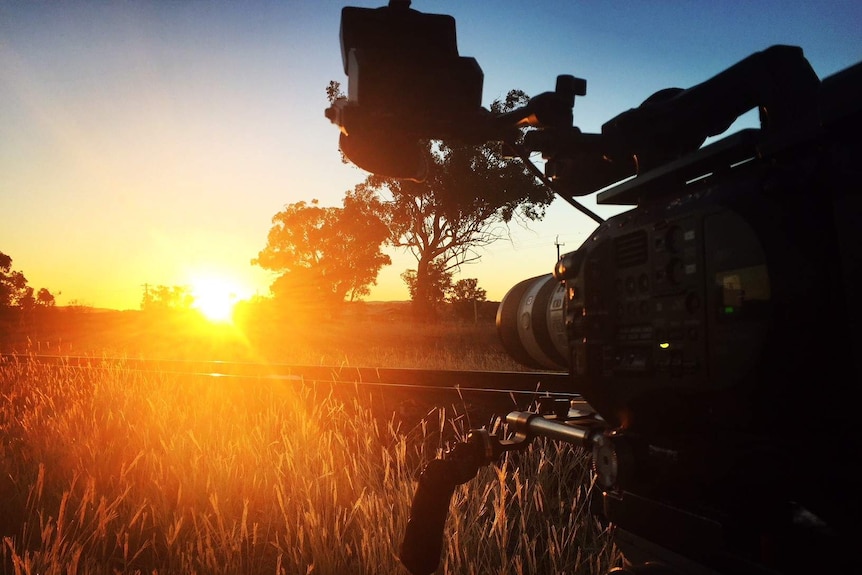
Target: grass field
pixel 118 471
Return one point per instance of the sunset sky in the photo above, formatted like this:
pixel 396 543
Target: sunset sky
pixel 152 142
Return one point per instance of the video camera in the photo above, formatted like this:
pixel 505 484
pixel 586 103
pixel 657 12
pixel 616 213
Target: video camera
pixel 712 329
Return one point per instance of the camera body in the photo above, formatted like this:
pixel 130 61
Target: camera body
pixel 705 326
pixel 713 327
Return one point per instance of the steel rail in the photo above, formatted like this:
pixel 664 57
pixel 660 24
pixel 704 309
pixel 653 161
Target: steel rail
pixel 544 383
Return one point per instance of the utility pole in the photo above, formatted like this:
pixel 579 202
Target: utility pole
pixel 558 244
pixel 146 301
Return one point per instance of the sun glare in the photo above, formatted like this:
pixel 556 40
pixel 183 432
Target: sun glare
pixel 215 298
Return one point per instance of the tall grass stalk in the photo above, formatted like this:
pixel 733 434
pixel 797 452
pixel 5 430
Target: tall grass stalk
pixel 116 471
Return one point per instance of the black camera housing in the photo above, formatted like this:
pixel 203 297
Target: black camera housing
pixel 713 327
pixel 405 82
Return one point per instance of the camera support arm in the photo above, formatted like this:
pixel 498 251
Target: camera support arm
pixel 423 540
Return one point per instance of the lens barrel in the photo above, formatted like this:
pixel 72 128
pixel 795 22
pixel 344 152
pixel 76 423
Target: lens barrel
pixel 530 323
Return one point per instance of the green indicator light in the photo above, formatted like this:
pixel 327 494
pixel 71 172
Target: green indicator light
pixel 664 345
pixel 729 309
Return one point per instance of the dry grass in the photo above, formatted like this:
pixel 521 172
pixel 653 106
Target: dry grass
pixel 354 340
pixel 118 471
pixel 114 471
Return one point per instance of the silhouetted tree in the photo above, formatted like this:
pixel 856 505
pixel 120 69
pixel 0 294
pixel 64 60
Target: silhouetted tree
pixel 45 299
pixel 470 195
pixel 465 295
pixel 162 298
pixel 325 255
pixel 438 283
pixel 26 299
pixel 13 284
pixel 14 290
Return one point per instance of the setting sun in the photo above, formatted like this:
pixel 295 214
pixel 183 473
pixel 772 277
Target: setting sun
pixel 215 298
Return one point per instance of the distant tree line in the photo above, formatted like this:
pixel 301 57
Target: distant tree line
pixel 162 298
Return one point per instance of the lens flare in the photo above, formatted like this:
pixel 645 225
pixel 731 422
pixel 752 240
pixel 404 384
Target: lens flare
pixel 215 298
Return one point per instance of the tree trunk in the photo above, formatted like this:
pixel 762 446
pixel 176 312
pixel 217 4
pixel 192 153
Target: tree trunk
pixel 423 305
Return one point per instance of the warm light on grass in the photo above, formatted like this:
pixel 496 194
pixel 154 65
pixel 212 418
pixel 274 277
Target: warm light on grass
pixel 112 470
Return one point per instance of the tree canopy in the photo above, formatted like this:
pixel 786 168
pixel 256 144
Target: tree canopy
pixel 15 291
pixel 465 295
pixel 437 284
pixel 470 195
pixel 162 298
pixel 324 255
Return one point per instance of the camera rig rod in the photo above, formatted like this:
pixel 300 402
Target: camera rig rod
pixel 423 539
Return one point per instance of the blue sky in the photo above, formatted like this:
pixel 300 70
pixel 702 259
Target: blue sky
pixel 152 142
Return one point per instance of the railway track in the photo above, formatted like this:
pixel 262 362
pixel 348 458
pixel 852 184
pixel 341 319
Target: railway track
pixel 492 389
